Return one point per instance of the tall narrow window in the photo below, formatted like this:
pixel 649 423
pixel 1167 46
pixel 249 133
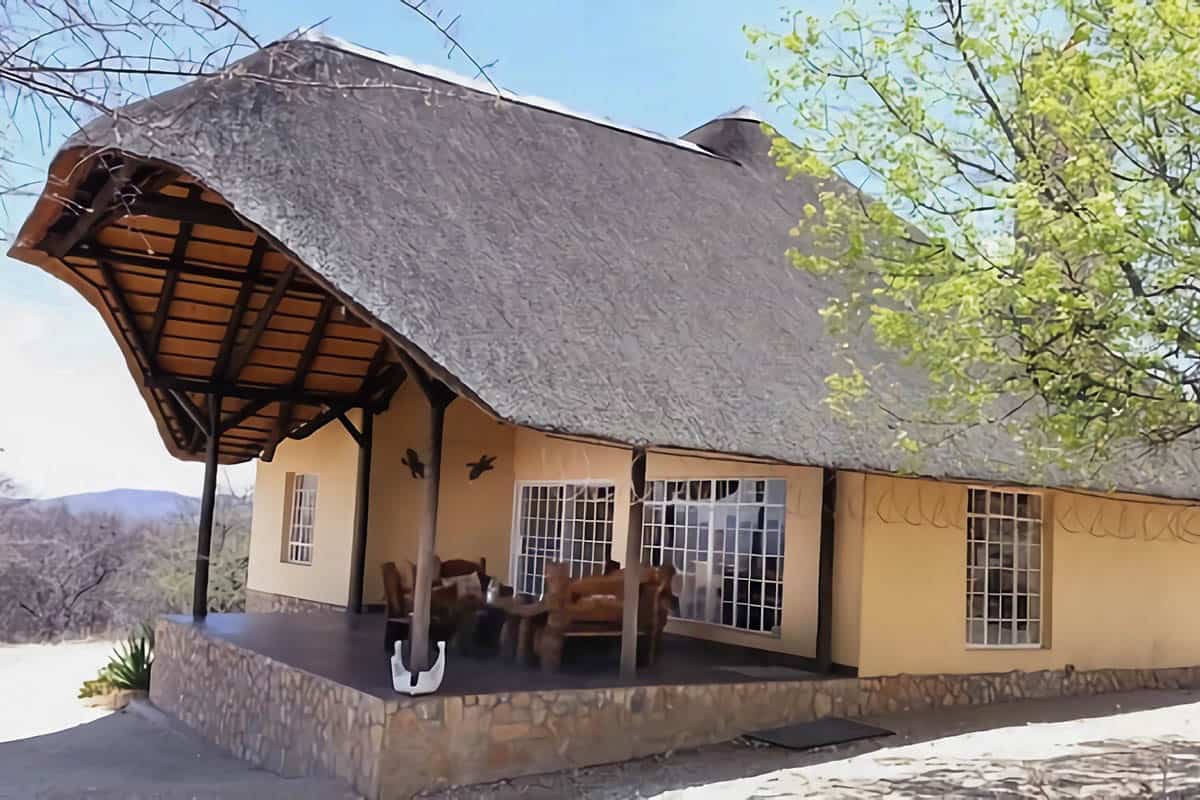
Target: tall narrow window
pixel 301 520
pixel 571 522
pixel 725 539
pixel 1004 568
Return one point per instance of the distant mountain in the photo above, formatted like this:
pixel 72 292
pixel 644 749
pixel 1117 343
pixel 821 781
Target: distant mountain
pixel 140 505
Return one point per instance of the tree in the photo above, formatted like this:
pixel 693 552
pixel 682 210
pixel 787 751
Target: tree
pixel 1024 221
pixel 56 572
pixel 168 558
pixel 62 63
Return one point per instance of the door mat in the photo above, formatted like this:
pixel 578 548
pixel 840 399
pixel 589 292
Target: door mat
pixel 819 733
pixel 771 673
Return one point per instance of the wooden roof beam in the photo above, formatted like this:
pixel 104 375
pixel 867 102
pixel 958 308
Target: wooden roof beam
pixel 190 211
pixel 222 368
pixel 169 280
pixel 239 357
pixel 284 420
pixel 232 274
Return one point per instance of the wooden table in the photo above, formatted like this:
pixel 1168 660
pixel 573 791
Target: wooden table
pixel 516 636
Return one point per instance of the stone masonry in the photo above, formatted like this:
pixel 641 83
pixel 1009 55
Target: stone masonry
pixel 268 713
pixel 292 722
pixel 268 603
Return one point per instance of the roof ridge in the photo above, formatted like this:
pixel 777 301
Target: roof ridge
pixel 317 36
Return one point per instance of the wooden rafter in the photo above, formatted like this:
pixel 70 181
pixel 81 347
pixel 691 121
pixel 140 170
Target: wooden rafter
pixel 92 251
pixel 138 344
pixel 102 203
pixel 187 211
pixel 284 420
pixel 247 411
pixel 241 354
pixel 270 394
pixel 178 254
pixel 372 397
pixel 222 368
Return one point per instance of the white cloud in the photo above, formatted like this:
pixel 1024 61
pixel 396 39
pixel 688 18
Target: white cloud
pixel 71 418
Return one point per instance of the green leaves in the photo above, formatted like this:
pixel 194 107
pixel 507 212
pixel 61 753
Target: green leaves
pixel 1028 232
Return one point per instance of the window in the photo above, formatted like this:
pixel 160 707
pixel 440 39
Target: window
pixel 1004 568
pixel 302 520
pixel 725 538
pixel 571 522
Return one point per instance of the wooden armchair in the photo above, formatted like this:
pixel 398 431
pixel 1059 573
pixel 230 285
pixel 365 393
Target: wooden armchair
pixel 447 610
pixel 593 606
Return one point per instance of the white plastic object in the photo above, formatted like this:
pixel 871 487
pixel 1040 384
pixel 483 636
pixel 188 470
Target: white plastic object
pixel 426 682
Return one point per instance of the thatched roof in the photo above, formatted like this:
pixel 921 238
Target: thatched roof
pixel 566 273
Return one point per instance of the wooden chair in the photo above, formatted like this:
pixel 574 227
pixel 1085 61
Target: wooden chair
pixel 593 607
pixel 448 613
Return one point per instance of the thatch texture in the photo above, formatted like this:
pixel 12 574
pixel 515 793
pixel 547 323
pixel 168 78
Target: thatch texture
pixel 569 275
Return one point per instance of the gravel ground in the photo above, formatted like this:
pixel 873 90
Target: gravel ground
pixel 1121 745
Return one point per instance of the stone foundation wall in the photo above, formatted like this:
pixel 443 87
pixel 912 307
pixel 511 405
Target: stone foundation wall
pixel 272 715
pixel 293 723
pixel 267 603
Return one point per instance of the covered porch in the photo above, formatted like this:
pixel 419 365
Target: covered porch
pixel 310 694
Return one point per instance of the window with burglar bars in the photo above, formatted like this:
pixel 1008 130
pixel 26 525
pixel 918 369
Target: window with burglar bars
pixel 571 522
pixel 302 520
pixel 725 539
pixel 1004 568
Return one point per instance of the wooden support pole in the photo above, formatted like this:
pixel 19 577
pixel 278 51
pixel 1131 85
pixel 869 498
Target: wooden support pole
pixel 825 570
pixel 362 505
pixel 439 397
pixel 207 501
pixel 633 566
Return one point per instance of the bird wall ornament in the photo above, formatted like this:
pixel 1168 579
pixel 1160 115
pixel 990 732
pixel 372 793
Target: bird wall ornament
pixel 414 463
pixel 484 464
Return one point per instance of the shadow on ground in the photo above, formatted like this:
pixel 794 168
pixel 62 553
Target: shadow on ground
pixel 1118 768
pixel 128 756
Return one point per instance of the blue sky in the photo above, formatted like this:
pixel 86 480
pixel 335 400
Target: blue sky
pixel 72 421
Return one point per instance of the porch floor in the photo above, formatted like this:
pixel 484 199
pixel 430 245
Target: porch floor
pixel 349 650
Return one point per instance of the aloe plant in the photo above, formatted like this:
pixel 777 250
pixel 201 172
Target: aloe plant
pixel 129 668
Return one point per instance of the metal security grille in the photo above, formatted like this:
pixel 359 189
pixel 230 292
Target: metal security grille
pixel 571 522
pixel 725 539
pixel 302 520
pixel 1004 568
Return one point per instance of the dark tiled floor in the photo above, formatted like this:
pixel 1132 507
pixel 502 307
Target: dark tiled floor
pixel 349 650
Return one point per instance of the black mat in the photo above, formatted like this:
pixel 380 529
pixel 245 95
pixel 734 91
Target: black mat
pixel 819 733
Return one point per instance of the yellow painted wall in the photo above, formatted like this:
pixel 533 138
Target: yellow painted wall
pixel 332 456
pixel 543 457
pixel 847 567
pixel 474 517
pixel 1123 577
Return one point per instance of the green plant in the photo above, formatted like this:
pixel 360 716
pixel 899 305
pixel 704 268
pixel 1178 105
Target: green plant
pixel 98 686
pixel 129 668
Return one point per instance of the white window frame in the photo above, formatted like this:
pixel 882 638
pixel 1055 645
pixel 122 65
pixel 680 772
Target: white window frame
pixel 711 504
pixel 300 537
pixel 565 549
pixel 1031 590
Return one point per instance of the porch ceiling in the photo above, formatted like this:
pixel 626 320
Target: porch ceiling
pixel 207 310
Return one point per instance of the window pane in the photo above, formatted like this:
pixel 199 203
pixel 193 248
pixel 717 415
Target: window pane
pixel 1003 561
pixel 726 537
